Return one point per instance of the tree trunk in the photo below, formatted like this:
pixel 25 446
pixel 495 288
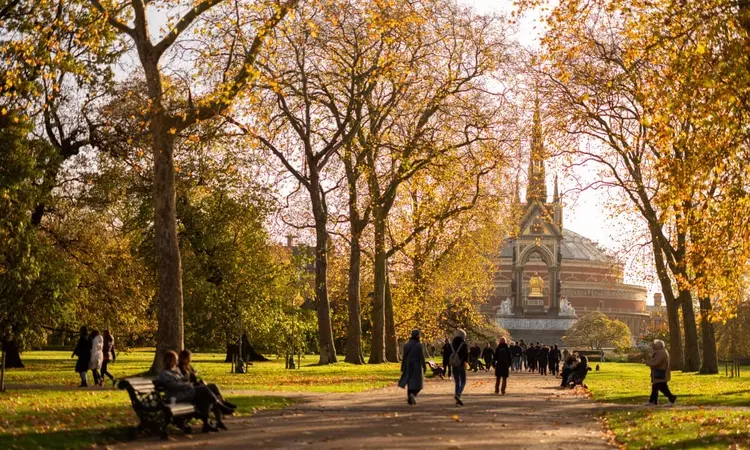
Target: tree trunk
pixel 322 305
pixel 710 361
pixel 12 355
pixel 391 341
pixel 377 352
pixel 692 355
pixel 2 370
pixel 354 325
pixel 170 332
pixel 677 359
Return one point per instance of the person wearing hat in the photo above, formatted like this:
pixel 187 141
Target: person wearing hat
pixel 413 367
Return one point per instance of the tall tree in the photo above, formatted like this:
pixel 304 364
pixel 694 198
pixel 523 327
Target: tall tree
pixel 249 28
pixel 312 96
pixel 433 102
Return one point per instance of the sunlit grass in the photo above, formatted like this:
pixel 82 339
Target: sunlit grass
pixel 44 409
pixel 668 428
pixel 57 368
pixel 678 429
pixel 630 383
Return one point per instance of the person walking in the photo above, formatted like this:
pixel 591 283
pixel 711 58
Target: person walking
pixel 108 351
pixel 447 350
pixel 488 355
pixel 524 361
pixel 661 374
pixel 83 352
pixel 531 358
pixel 97 356
pixel 475 352
pixel 459 359
pixel 515 354
pixel 554 360
pixel 543 358
pixel 413 367
pixel 503 361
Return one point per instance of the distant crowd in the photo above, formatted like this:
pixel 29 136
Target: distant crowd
pixel 459 356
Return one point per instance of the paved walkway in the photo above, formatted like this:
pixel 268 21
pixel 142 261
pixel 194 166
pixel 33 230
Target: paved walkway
pixel 534 414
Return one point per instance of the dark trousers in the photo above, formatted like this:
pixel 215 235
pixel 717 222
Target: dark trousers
pixel 459 378
pixel 447 368
pixel 97 377
pixel 664 389
pixel 105 371
pixel 204 401
pixel 553 367
pixel 542 368
pixel 500 384
pixel 413 392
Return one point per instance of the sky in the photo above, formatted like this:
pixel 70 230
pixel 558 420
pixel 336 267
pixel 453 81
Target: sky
pixel 585 213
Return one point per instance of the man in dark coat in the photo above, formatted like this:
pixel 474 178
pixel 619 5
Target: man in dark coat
pixel 413 367
pixel 474 353
pixel 524 361
pixel 461 350
pixel 446 357
pixel 543 357
pixel 531 358
pixel 515 354
pixel 487 355
pixel 83 352
pixel 503 361
pixel 554 360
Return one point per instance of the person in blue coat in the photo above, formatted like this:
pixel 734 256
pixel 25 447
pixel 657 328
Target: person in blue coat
pixel 413 367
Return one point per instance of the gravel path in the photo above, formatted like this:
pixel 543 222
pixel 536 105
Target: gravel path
pixel 534 414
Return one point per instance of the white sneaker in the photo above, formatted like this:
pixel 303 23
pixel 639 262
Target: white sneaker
pixel 649 404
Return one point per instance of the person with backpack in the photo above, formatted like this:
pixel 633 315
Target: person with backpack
pixel 458 361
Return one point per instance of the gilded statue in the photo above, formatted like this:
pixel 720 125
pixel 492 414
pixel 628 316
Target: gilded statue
pixel 536 286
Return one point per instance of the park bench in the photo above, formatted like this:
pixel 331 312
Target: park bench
pixel 437 370
pixel 154 409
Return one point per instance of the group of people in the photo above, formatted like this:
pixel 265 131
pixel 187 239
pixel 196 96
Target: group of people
pixel 94 351
pixel 537 357
pixel 458 357
pixel 506 358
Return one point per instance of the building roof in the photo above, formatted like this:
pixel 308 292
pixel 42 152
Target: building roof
pixel 574 247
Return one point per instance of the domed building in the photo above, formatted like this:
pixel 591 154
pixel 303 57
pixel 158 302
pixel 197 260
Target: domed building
pixel 548 276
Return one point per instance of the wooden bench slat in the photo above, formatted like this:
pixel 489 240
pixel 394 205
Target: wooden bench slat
pixel 181 409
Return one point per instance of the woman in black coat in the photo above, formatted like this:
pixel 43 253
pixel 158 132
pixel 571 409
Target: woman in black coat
pixel 413 367
pixel 502 366
pixel 83 352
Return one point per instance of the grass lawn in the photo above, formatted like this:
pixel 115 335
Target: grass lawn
pixel 56 368
pixel 53 413
pixel 708 426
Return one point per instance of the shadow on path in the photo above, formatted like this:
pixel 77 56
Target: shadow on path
pixel 532 415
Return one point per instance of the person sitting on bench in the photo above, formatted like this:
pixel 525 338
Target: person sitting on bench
pixel 204 400
pixel 579 372
pixel 191 376
pixel 436 369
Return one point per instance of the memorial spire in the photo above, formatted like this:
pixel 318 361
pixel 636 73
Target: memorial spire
pixel 537 187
